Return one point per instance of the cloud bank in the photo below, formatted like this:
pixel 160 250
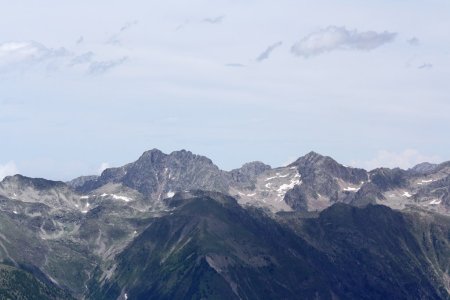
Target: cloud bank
pixel 405 159
pixel 339 38
pixel 22 56
pixel 8 169
pixel 103 167
pixel 25 54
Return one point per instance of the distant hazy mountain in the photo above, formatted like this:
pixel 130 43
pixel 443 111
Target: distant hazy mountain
pixel 175 226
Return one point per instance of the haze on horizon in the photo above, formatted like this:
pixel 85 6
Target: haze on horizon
pixel 88 85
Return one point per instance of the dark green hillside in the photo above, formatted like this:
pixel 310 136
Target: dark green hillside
pixel 211 248
pixel 16 284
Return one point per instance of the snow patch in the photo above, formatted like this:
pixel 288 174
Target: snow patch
pixel 123 198
pixel 270 178
pixel 117 197
pixel 15 212
pixel 351 189
pixel 435 202
pixel 407 195
pixel 287 186
pixel 277 175
pixel 251 195
pixel 84 197
pixel 170 194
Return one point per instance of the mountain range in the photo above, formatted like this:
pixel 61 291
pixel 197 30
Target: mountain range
pixel 176 226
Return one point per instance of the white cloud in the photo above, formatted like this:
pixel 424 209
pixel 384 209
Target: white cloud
pixel 339 38
pixel 21 56
pixel 103 167
pixel 13 54
pixel 266 53
pixel 405 159
pixel 8 169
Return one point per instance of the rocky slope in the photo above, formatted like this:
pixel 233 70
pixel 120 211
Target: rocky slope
pixel 175 225
pixel 312 183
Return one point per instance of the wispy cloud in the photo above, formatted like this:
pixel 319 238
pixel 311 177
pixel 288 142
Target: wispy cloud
pixel 101 67
pixel 115 39
pixel 128 25
pixel 413 41
pixel 425 66
pixel 266 53
pixel 339 38
pixel 84 58
pixel 182 25
pixel 215 20
pixel 103 167
pixel 10 101
pixel 80 40
pixel 8 169
pixel 234 65
pixel 405 159
pixel 22 56
pixel 15 55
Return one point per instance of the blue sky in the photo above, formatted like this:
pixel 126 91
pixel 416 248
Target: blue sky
pixel 86 85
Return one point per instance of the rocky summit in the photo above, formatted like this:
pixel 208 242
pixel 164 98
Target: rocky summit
pixel 176 226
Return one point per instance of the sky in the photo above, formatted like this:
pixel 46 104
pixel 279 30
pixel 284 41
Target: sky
pixel 86 85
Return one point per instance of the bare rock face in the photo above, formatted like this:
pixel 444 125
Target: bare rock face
pixel 155 174
pixel 324 182
pixel 423 168
pixel 80 181
pixel 248 173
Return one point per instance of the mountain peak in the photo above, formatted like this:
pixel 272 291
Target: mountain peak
pixel 38 183
pixel 312 158
pixel 152 154
pixel 424 167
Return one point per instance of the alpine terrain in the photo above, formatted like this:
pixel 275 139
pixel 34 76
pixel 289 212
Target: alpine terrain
pixel 176 226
